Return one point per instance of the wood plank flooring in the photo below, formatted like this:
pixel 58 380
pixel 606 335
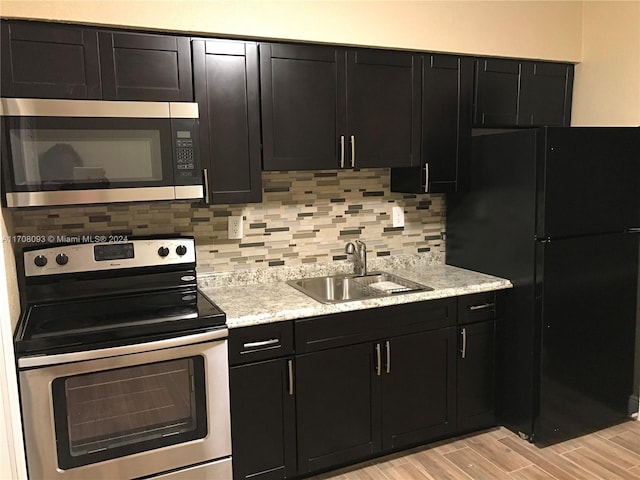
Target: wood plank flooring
pixel 498 454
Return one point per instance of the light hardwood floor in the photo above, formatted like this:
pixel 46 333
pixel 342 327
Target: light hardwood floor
pixel 498 454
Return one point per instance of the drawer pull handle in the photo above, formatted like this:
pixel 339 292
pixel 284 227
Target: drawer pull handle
pixel 262 343
pixel 482 307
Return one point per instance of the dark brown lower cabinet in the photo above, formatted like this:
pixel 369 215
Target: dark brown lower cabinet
pixel 359 400
pixel 338 406
pixel 476 376
pixel 418 388
pixel 263 420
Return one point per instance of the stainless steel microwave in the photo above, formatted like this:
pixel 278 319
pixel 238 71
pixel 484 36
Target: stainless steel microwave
pixel 71 152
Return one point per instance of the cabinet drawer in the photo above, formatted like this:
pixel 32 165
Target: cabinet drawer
pixel 476 307
pixel 260 342
pixel 348 328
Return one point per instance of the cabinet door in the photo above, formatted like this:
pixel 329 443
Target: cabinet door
pixel 49 61
pixel 227 92
pixel 497 92
pixel 546 94
pixel 447 90
pixel 303 102
pixel 138 66
pixel 337 406
pixel 476 376
pixel 263 420
pixel 418 387
pixel 384 95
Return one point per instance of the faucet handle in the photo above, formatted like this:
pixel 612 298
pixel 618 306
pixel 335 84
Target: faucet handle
pixel 350 248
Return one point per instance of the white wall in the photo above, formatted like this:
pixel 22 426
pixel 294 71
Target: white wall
pixel 532 29
pixel 607 82
pixel 12 461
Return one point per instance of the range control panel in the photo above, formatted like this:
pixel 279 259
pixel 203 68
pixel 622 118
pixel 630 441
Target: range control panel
pixel 90 257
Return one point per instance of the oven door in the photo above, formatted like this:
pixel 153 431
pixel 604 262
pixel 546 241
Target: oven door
pixel 128 415
pixel 61 152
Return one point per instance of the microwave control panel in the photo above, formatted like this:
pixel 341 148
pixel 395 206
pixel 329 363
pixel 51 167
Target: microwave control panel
pixel 185 156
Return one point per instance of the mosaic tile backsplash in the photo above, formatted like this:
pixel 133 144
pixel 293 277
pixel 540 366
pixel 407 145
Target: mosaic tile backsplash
pixel 304 218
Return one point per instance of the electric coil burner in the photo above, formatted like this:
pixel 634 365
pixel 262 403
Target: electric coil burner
pixel 122 363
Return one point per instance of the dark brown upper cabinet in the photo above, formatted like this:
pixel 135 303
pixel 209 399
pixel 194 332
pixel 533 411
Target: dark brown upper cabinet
pixel 516 93
pixel 329 108
pixel 227 91
pixel 137 66
pixel 49 61
pixel 547 93
pixel 447 86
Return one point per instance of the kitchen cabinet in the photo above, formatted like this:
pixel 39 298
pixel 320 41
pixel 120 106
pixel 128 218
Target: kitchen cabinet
pixel 49 60
pixel 41 60
pixel 447 89
pixel 330 107
pixel 262 401
pixel 227 91
pixel 374 381
pixel 418 387
pixel 338 407
pixel 518 93
pixel 476 363
pixel 139 66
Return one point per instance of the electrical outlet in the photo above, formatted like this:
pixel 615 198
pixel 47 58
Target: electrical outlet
pixel 397 216
pixel 235 227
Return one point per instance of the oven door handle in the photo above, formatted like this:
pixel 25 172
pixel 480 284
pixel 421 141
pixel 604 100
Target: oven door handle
pixel 58 358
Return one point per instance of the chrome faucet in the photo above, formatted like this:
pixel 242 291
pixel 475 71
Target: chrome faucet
pixel 359 252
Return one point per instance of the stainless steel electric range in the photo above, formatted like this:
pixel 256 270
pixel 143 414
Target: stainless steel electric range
pixel 122 363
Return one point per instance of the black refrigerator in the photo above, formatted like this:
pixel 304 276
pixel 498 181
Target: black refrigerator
pixel 557 211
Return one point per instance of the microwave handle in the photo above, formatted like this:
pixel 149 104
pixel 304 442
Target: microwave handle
pixel 205 182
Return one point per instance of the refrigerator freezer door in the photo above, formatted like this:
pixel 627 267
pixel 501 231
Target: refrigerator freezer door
pixel 588 181
pixel 586 306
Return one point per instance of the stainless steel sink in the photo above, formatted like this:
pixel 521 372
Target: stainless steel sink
pixel 344 288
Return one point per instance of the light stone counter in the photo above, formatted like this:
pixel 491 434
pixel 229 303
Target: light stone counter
pixel 274 300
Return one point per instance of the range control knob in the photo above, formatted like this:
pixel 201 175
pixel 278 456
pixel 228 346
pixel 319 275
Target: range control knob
pixel 163 251
pixel 40 261
pixel 62 259
pixel 181 250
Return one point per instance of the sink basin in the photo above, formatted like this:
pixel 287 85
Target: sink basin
pixel 344 288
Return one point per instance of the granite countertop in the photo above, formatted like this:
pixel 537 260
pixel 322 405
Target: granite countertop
pixel 273 300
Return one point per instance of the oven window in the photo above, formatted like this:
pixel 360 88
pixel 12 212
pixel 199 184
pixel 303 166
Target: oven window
pixel 113 413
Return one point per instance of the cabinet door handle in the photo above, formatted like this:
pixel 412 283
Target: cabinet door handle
pixel 387 346
pixel 341 151
pixel 484 306
pixel 205 184
pixel 378 359
pixel 353 151
pixel 262 343
pixel 426 178
pixel 463 351
pixel 290 367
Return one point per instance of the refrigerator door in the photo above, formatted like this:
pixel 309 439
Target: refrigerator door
pixel 588 181
pixel 586 306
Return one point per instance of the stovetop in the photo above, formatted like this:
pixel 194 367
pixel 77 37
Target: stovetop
pixel 89 296
pixel 118 320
